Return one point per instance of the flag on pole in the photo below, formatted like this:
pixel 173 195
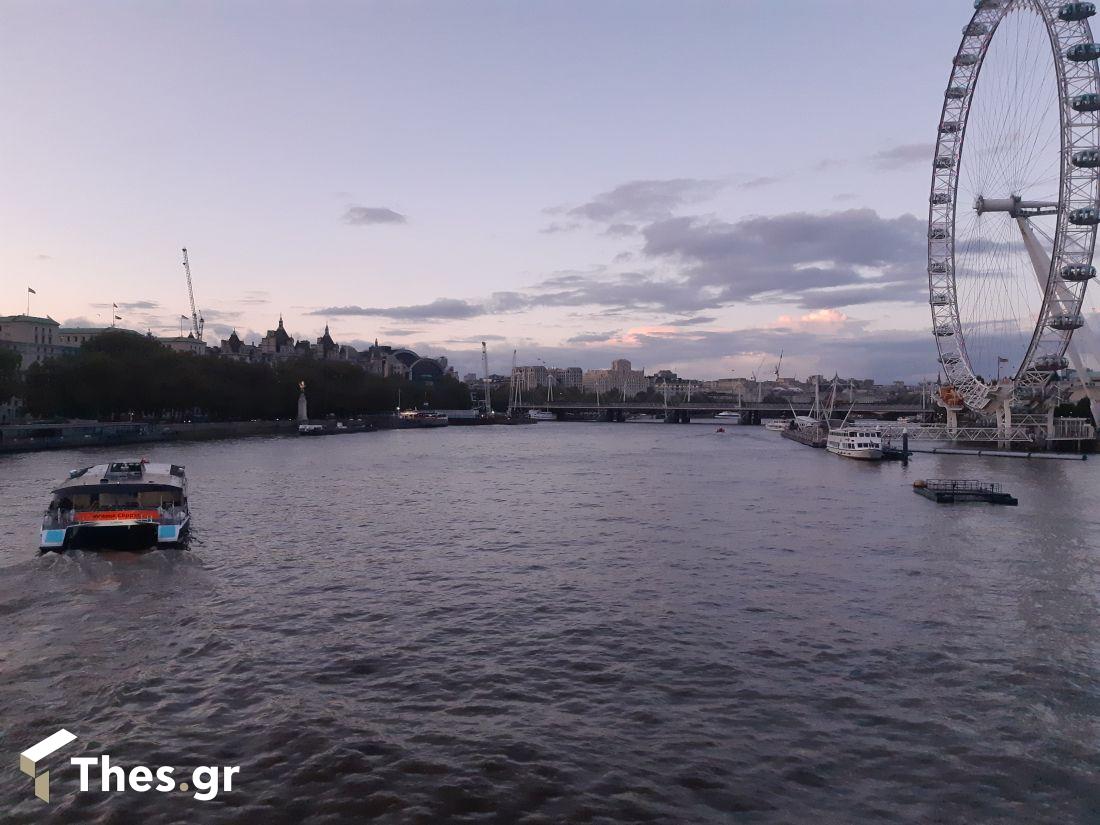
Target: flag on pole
pixel 31 291
pixel 1001 360
pixel 115 306
pixel 118 317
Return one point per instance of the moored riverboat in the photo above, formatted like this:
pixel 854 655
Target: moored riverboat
pixel 422 418
pixel 128 504
pixel 855 441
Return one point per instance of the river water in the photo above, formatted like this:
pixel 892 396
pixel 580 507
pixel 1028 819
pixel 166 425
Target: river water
pixel 566 623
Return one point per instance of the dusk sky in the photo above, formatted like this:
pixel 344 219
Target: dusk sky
pixel 691 185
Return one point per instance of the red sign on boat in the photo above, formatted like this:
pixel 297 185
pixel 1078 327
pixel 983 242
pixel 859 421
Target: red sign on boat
pixel 116 515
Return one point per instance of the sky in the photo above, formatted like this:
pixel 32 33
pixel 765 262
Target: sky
pixel 697 186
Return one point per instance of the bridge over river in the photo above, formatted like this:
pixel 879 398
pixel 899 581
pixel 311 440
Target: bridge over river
pixel 682 413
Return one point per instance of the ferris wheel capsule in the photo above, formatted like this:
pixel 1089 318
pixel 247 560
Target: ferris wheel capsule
pixel 1071 12
pixel 1088 102
pixel 1051 363
pixel 1065 323
pixel 1083 52
pixel 1078 272
pixel 1087 158
pixel 1088 216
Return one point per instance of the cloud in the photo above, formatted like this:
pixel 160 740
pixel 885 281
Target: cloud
pixel 131 305
pixel 219 314
pixel 556 227
pixel 400 333
pixel 645 200
pixel 255 297
pixel 788 257
pixel 439 309
pixel 475 339
pixel 221 330
pixel 757 183
pixel 691 322
pixel 818 319
pixel 593 337
pixel 43 257
pixel 817 261
pixel 907 154
pixel 845 196
pixel 368 215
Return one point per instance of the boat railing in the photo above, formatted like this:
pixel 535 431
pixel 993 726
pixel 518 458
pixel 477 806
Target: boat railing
pixel 172 515
pixel 966 485
pixel 57 519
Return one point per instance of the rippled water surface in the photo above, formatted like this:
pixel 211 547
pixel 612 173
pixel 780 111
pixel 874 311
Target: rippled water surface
pixel 567 623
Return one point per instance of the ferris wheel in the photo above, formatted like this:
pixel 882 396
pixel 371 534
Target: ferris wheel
pixel 1015 199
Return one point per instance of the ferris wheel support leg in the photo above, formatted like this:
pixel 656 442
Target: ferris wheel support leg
pixel 1040 262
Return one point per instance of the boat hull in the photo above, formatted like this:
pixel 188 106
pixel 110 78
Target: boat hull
pixel 132 535
pixel 858 453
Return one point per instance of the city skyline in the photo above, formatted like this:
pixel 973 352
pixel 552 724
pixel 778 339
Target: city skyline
pixel 612 180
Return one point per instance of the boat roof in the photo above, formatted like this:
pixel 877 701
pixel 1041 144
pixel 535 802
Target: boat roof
pixel 125 474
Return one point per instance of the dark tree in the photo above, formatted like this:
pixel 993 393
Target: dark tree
pixel 9 374
pixel 120 375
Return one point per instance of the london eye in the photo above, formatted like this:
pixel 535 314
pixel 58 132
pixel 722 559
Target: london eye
pixel 1015 199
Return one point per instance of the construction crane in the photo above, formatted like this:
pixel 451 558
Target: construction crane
pixel 488 383
pixel 197 321
pixel 759 384
pixel 778 364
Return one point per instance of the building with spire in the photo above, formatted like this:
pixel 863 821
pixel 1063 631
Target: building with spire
pixel 277 344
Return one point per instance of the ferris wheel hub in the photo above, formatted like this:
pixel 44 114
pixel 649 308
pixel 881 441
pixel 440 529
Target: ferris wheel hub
pixel 1015 206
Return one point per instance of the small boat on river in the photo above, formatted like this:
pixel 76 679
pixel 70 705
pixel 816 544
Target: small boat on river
pixel 129 504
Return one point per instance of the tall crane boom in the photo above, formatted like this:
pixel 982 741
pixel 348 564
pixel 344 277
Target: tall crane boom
pixel 197 321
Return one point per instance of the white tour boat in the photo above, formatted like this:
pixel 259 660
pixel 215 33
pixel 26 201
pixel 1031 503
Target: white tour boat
pixel 777 425
pixel 730 416
pixel 855 441
pixel 541 415
pixel 122 505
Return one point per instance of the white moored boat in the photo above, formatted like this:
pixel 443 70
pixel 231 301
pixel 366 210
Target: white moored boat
pixel 777 425
pixel 855 441
pixel 122 505
pixel 541 415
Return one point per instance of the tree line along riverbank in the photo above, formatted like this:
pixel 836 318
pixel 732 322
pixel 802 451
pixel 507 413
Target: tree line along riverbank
pixel 122 377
